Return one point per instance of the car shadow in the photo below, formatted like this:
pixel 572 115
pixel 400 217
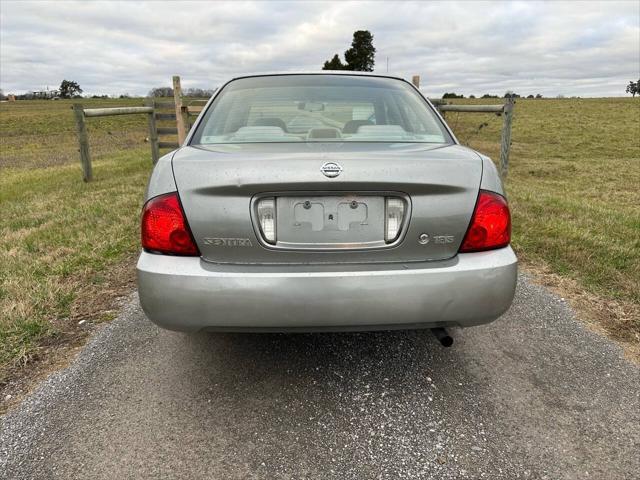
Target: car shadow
pixel 407 359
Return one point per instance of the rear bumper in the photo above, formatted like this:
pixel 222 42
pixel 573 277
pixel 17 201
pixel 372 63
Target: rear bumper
pixel 188 294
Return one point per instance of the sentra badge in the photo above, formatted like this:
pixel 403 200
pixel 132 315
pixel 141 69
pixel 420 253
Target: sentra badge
pixel 227 242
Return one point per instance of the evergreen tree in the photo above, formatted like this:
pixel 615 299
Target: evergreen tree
pixel 333 64
pixel 361 55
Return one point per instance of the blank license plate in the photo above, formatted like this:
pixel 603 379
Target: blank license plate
pixel 330 221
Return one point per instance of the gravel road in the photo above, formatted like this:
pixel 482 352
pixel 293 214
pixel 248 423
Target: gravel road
pixel 533 395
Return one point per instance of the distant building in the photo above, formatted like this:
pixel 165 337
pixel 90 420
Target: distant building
pixel 45 94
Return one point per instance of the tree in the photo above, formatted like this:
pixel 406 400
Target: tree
pixel 2 97
pixel 452 95
pixel 633 87
pixel 198 92
pixel 69 89
pixel 360 57
pixel 538 95
pixel 510 94
pixel 161 92
pixel 334 64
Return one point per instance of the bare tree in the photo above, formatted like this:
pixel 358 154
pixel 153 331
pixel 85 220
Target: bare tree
pixel 198 92
pixel 161 92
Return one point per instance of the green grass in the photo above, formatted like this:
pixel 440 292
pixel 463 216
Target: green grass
pixel 59 234
pixel 41 133
pixel 61 239
pixel 572 184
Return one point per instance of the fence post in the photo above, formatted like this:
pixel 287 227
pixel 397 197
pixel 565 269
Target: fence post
pixel 153 131
pixel 177 98
pixel 505 141
pixel 83 140
pixel 416 81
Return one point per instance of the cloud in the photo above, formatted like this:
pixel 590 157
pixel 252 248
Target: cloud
pixel 571 48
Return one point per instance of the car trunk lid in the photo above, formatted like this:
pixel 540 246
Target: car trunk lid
pixel 324 219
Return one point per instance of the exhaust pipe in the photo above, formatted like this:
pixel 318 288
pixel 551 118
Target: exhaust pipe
pixel 443 336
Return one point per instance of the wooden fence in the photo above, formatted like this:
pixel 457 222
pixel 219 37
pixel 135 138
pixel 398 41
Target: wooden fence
pixel 506 110
pixel 83 138
pixel 181 113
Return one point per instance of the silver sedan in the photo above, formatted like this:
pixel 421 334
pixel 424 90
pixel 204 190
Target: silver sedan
pixel 329 201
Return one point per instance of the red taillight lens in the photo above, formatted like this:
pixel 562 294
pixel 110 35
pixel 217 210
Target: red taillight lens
pixel 165 228
pixel 490 226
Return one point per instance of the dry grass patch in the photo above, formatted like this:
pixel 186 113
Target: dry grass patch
pixel 617 319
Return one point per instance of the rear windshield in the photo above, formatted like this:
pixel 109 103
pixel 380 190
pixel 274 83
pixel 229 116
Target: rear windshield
pixel 319 108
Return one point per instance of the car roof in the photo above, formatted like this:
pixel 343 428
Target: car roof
pixel 319 72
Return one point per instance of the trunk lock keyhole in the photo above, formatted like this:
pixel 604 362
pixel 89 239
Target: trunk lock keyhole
pixel 354 204
pixel 307 205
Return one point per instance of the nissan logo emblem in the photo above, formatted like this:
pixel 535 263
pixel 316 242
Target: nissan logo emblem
pixel 331 169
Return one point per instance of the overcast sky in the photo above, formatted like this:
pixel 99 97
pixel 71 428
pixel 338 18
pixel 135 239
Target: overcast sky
pixel 571 48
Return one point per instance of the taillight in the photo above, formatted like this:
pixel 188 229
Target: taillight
pixel 490 226
pixel 165 228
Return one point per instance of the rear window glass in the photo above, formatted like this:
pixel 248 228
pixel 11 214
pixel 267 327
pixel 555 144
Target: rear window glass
pixel 319 108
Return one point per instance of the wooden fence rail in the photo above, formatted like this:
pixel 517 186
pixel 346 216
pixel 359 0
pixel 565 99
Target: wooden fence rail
pixel 506 110
pixel 167 130
pixel 81 114
pixel 182 110
pixel 471 108
pixel 182 115
pixel 165 116
pixel 105 112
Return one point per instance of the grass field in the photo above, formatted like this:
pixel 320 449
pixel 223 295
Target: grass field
pixel 64 244
pixel 573 188
pixel 67 248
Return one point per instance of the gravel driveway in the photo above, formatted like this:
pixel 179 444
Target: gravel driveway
pixel 533 395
